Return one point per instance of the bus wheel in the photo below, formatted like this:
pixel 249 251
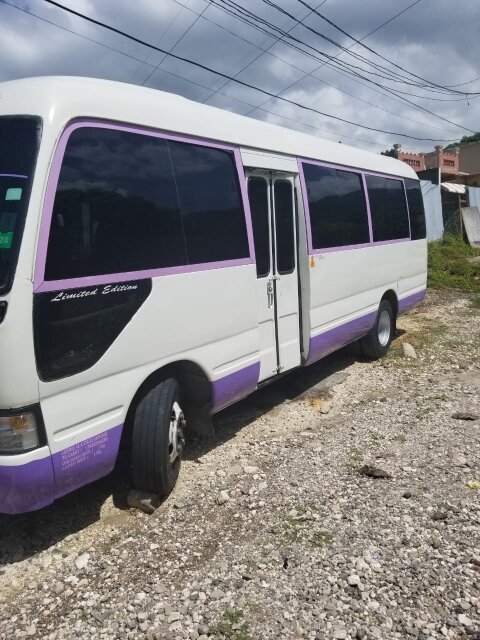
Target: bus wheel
pixel 158 439
pixel 377 341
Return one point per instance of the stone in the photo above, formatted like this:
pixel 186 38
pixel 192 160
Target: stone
pixel 143 501
pixel 339 633
pixel 465 415
pixel 223 497
pixel 370 471
pixel 407 494
pixel 409 351
pixel 353 580
pixel 464 620
pixel 82 561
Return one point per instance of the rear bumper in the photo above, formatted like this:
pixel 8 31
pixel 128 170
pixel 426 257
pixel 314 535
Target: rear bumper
pixel 26 481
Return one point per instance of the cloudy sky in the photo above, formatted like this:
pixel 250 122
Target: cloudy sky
pixel 437 40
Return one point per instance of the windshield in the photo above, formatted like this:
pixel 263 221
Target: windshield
pixel 19 137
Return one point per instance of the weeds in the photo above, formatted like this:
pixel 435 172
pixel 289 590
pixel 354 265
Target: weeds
pixel 231 626
pixel 321 538
pixel 449 267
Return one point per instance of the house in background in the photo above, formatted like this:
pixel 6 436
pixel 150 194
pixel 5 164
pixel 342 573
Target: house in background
pixel 470 162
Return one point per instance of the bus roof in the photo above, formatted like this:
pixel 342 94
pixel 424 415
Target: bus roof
pixel 59 99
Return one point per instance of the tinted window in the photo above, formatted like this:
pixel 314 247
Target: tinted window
pixel 210 203
pixel 116 207
pixel 388 208
pixel 338 211
pixel 130 202
pixel 284 226
pixel 258 197
pixel 19 139
pixel 416 210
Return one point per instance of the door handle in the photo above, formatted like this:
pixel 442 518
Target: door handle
pixel 270 293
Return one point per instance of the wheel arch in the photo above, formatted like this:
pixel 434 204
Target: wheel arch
pixel 196 394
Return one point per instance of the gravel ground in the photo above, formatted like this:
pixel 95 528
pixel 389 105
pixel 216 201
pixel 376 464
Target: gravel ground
pixel 272 531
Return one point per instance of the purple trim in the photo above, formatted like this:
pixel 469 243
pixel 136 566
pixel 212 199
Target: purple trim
pixel 40 285
pixel 36 484
pixel 235 386
pixel 12 175
pixel 86 461
pixel 362 173
pixel 335 338
pixel 26 487
pixel 404 304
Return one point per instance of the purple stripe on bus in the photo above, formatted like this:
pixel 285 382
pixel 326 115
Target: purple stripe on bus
pixel 12 175
pixel 231 388
pixel 86 461
pixel 410 301
pixel 327 342
pixel 26 487
pixel 40 285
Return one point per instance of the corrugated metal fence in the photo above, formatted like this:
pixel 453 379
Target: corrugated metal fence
pixel 474 196
pixel 433 209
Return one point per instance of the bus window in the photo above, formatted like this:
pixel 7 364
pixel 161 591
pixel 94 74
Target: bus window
pixel 258 197
pixel 388 208
pixel 134 202
pixel 19 138
pixel 415 209
pixel 338 210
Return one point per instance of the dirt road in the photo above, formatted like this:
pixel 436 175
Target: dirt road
pixel 272 531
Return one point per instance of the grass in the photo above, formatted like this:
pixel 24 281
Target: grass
pixel 231 626
pixel 449 268
pixel 321 538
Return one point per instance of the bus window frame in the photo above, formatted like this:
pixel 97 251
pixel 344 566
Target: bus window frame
pixel 41 285
pixel 362 173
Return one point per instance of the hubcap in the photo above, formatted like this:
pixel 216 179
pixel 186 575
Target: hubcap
pixel 384 328
pixel 176 435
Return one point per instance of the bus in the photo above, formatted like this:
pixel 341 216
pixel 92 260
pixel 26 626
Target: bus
pixel 161 259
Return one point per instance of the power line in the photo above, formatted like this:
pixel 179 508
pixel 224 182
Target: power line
pixel 240 82
pixel 388 90
pixel 262 52
pixel 254 107
pixel 335 26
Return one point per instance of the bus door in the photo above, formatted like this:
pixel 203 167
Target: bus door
pixel 272 204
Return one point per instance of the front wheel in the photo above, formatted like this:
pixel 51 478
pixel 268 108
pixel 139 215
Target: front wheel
pixel 158 439
pixel 377 341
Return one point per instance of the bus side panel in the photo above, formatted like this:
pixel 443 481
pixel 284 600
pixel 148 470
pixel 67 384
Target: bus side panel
pixel 346 287
pixel 207 317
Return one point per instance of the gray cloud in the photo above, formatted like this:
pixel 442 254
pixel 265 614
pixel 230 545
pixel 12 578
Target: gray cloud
pixel 438 41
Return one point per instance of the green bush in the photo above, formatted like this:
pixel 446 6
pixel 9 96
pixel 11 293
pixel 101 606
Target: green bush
pixel 449 266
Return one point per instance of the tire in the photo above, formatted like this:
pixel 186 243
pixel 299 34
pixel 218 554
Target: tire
pixel 377 341
pixel 158 439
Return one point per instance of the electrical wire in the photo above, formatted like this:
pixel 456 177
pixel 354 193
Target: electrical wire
pixel 240 82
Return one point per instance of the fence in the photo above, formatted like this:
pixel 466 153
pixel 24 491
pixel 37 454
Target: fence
pixel 433 209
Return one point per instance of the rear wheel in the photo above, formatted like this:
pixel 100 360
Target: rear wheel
pixel 377 341
pixel 158 439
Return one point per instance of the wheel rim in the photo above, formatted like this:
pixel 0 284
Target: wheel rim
pixel 176 434
pixel 384 328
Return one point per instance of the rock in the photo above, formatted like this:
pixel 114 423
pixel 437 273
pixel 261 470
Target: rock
pixel 250 469
pixel 143 501
pixel 464 620
pixel 407 494
pixel 409 351
pixel 216 594
pixel 436 542
pixel 353 580
pixel 339 633
pixel 373 472
pixel 223 497
pixel 82 561
pixel 439 515
pixel 465 415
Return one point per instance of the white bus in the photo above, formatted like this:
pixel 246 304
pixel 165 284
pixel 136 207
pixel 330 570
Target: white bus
pixel 161 259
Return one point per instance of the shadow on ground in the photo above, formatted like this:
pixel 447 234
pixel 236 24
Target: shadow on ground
pixel 22 536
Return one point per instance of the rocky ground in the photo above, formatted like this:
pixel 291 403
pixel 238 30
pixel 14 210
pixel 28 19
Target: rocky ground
pixel 273 532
